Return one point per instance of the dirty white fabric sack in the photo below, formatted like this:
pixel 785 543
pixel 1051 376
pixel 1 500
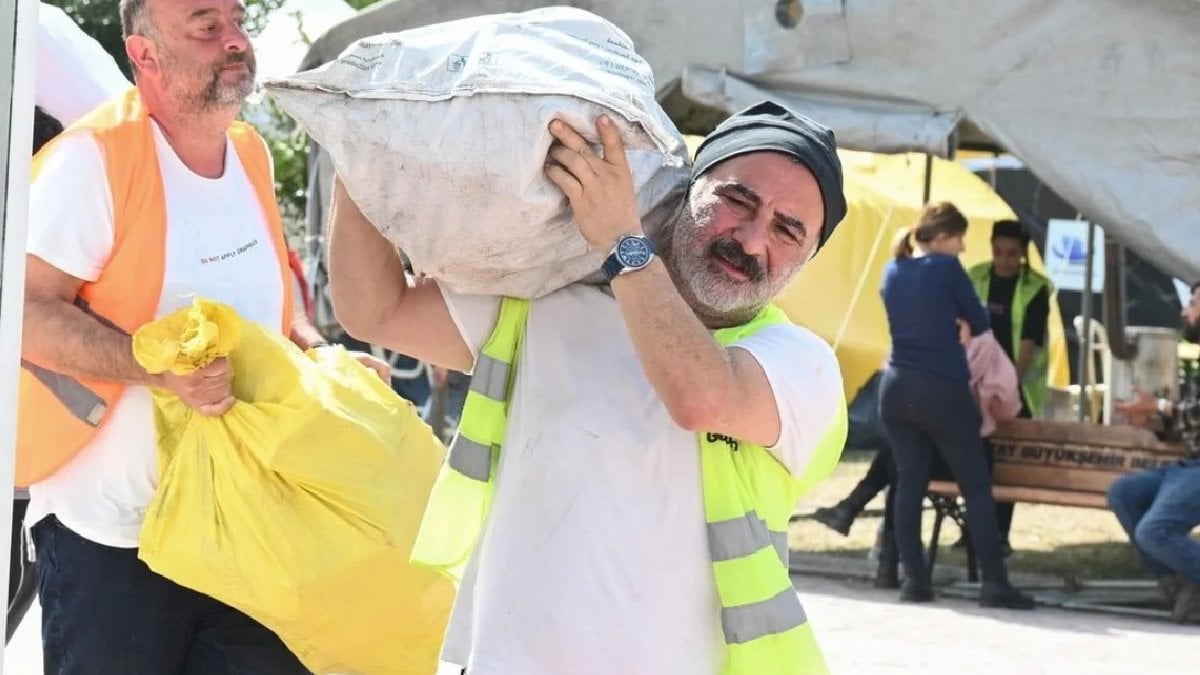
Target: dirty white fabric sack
pixel 440 134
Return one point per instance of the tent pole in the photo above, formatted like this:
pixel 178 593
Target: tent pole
pixel 16 142
pixel 928 179
pixel 1085 340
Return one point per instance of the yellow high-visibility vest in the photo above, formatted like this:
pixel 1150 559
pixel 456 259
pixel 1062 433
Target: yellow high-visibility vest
pixel 748 500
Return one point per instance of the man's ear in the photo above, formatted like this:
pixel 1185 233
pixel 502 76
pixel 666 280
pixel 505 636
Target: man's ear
pixel 142 53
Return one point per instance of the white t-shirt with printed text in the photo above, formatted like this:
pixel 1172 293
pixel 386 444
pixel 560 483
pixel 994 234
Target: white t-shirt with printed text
pixel 218 246
pixel 594 559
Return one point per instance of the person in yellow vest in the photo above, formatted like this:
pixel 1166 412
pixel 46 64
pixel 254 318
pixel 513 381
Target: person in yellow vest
pixel 1018 302
pixel 153 198
pixel 631 450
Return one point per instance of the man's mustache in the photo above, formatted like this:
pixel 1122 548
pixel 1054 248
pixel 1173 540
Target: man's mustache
pixel 732 253
pixel 237 57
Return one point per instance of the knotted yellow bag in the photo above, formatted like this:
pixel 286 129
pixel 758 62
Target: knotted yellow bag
pixel 300 505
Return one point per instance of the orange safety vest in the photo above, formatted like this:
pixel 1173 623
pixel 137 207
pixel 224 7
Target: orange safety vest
pixel 59 415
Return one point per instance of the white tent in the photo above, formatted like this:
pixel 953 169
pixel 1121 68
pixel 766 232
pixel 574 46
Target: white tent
pixel 75 74
pixel 16 137
pixel 1098 97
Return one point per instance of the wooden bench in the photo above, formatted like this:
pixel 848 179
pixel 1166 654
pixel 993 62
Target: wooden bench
pixel 1058 463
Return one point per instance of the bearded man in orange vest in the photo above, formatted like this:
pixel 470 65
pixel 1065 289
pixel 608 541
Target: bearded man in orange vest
pixel 153 198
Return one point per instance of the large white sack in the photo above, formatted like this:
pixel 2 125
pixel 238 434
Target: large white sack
pixel 440 134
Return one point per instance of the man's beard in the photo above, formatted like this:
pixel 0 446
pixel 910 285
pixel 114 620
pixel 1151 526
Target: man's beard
pixel 702 279
pixel 216 93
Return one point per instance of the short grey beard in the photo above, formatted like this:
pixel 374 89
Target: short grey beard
pixel 215 96
pixel 663 225
pixel 220 95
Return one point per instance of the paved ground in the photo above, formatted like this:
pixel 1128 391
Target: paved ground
pixel 864 630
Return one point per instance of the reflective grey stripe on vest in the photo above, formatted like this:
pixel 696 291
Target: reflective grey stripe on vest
pixel 758 619
pixel 779 541
pixel 737 537
pixel 83 403
pixel 490 378
pixel 471 459
pixel 740 537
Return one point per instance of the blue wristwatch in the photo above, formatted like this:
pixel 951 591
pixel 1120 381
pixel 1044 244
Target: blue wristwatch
pixel 632 253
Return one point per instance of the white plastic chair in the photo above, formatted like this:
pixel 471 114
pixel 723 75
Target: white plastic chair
pixel 1099 347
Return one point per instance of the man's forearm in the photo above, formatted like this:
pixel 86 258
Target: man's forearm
pixel 304 334
pixel 691 373
pixel 63 338
pixel 367 278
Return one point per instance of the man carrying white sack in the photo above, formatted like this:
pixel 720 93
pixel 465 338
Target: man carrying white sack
pixel 658 430
pixel 153 198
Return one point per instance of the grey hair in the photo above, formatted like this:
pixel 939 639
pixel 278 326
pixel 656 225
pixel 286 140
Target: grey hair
pixel 135 18
pixel 660 222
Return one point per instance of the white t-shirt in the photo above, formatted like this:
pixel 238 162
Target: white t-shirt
pixel 594 559
pixel 219 246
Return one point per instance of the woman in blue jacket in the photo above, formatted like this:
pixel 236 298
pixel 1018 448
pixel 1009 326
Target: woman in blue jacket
pixel 926 403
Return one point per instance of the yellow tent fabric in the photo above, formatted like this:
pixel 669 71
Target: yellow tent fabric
pixel 837 294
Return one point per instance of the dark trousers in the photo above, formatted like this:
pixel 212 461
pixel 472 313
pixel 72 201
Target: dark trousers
pixel 104 611
pixel 22 575
pixel 878 476
pixel 926 415
pixel 1004 510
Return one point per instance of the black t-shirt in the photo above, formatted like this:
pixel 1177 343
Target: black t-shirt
pixel 999 304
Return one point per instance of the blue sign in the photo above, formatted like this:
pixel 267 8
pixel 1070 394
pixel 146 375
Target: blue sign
pixel 1066 255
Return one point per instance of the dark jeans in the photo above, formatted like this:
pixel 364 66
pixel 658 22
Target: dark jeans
pixel 104 611
pixel 878 474
pixel 1158 509
pixel 926 415
pixel 1004 510
pixel 22 574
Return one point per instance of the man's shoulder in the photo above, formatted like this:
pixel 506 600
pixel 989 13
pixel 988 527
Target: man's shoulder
pixel 71 154
pixel 71 142
pixel 794 340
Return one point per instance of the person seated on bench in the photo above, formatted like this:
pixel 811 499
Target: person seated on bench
pixel 1160 507
pixel 926 401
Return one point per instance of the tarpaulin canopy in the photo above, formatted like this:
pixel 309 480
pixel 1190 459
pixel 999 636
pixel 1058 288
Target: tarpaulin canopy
pixel 1099 97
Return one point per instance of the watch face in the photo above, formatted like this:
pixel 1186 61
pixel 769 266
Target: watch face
pixel 634 252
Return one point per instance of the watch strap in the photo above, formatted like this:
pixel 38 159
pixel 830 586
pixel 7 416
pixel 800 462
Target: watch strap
pixel 612 267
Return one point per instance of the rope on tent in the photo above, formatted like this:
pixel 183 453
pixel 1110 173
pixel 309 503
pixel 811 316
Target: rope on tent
pixel 862 278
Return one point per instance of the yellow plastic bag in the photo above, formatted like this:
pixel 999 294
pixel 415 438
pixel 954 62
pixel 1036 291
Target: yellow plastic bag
pixel 300 505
